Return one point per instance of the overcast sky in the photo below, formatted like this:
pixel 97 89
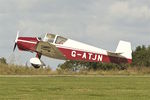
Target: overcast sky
pixel 101 23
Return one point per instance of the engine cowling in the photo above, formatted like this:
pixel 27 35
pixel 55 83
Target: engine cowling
pixel 36 62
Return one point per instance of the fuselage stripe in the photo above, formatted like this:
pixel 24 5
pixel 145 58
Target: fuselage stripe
pixel 27 41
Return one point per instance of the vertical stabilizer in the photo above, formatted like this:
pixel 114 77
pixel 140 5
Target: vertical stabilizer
pixel 124 48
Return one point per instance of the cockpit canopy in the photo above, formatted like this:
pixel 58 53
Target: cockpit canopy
pixel 52 38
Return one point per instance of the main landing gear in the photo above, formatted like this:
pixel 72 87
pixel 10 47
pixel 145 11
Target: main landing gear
pixel 36 62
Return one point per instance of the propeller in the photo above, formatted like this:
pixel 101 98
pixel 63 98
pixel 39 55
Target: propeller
pixel 16 41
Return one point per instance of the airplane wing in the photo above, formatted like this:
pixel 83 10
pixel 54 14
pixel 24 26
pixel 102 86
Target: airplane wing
pixel 49 50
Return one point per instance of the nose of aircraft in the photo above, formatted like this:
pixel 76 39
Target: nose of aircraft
pixel 26 43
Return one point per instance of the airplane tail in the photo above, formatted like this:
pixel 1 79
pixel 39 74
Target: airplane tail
pixel 124 49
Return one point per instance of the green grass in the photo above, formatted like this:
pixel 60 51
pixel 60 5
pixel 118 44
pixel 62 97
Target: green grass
pixel 74 88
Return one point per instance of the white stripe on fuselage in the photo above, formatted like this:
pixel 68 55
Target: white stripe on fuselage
pixel 27 41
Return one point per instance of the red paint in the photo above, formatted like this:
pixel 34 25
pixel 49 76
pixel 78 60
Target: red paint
pixel 91 57
pixel 27 43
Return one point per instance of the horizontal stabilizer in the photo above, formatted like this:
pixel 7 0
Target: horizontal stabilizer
pixel 113 54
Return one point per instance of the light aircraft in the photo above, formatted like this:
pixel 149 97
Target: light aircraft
pixel 58 47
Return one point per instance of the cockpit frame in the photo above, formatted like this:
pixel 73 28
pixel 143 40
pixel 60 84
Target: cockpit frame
pixel 54 39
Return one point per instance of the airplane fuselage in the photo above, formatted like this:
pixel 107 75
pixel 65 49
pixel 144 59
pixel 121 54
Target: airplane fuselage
pixel 69 50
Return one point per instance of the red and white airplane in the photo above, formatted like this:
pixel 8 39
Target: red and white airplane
pixel 59 47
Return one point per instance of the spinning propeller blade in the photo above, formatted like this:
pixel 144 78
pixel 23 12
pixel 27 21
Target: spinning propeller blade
pixel 16 41
pixel 14 47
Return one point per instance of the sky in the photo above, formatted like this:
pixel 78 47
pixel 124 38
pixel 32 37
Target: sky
pixel 101 23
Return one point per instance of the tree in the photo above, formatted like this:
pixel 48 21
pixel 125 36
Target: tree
pixel 3 60
pixel 141 56
pixel 82 65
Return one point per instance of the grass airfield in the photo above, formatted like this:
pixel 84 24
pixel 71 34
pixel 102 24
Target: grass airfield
pixel 74 87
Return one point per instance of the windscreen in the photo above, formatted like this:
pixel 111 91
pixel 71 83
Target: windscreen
pixel 49 38
pixel 60 40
